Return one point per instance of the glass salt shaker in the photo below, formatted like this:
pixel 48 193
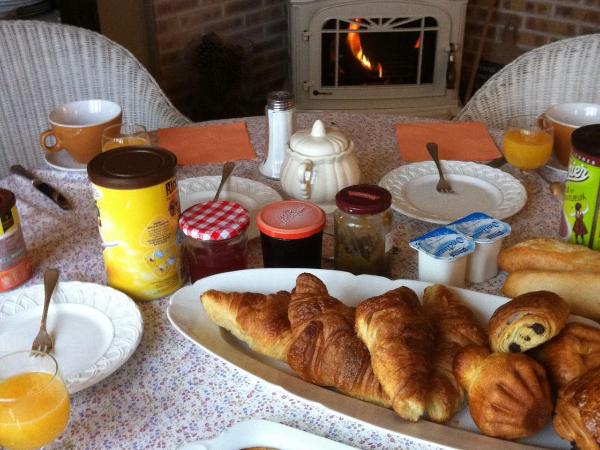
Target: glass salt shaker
pixel 281 117
pixel 363 230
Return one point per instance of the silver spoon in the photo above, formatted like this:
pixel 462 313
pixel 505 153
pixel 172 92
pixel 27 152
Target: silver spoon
pixel 227 169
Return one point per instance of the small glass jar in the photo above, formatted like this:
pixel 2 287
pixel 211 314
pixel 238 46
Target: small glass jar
pixel 363 226
pixel 215 238
pixel 291 234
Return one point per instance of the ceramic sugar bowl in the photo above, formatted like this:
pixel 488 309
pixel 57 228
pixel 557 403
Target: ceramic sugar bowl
pixel 319 163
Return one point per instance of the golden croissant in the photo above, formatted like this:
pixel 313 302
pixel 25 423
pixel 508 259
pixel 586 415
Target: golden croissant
pixel 454 327
pixel 324 349
pixel 400 341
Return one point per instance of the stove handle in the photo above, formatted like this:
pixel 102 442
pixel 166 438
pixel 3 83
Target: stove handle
pixel 451 68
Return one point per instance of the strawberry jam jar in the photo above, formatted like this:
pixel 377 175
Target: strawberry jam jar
pixel 215 238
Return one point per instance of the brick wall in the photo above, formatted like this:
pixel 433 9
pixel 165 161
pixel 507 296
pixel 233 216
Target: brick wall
pixel 537 22
pixel 260 26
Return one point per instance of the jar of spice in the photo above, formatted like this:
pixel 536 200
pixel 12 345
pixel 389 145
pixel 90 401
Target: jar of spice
pixel 15 268
pixel 363 225
pixel 291 234
pixel 215 238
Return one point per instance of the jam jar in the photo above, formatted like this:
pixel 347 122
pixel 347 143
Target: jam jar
pixel 291 234
pixel 214 238
pixel 363 225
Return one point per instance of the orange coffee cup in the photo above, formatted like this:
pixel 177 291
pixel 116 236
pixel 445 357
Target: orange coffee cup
pixel 566 118
pixel 77 127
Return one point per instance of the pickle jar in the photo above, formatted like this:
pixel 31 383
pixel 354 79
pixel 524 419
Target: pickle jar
pixel 363 230
pixel 215 238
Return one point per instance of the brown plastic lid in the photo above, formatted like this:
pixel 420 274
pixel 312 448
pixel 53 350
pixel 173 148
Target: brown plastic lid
pixel 290 219
pixel 587 140
pixel 7 201
pixel 132 167
pixel 363 199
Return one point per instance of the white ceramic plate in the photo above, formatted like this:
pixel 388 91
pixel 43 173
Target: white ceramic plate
pixel 187 315
pixel 477 187
pixel 251 194
pixel 62 160
pixel 95 328
pixel 556 166
pixel 262 433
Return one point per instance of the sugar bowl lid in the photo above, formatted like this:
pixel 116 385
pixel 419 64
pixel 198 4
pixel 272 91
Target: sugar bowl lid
pixel 319 141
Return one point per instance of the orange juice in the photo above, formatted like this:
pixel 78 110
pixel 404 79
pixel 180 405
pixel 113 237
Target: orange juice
pixel 527 149
pixel 37 415
pixel 125 141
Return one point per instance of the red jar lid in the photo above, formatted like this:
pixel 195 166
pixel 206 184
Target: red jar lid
pixel 363 199
pixel 290 219
pixel 214 221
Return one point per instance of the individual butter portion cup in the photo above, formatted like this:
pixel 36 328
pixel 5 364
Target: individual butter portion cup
pixel 442 256
pixel 488 234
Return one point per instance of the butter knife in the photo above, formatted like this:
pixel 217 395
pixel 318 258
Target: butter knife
pixel 44 188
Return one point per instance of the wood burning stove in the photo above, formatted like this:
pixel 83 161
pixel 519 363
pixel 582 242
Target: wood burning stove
pixel 398 55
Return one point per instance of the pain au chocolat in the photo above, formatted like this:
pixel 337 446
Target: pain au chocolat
pixel 527 321
pixel 577 413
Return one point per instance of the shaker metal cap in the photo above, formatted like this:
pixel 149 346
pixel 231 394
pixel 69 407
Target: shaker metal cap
pixel 280 100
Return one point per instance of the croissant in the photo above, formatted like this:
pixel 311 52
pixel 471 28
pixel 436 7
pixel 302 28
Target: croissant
pixel 509 395
pixel 577 413
pixel 454 327
pixel 259 320
pixel 573 352
pixel 324 349
pixel 527 321
pixel 400 341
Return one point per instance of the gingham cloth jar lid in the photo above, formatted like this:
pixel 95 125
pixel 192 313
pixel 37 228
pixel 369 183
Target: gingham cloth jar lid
pixel 214 221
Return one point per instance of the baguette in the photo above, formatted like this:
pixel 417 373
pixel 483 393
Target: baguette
pixel 580 289
pixel 548 254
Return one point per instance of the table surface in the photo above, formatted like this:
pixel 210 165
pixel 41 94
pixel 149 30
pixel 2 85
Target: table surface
pixel 171 391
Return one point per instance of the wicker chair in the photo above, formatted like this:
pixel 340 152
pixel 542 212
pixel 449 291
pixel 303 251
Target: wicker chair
pixel 44 65
pixel 561 72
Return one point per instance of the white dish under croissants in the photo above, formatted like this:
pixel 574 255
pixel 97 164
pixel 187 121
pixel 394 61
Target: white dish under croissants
pixel 187 315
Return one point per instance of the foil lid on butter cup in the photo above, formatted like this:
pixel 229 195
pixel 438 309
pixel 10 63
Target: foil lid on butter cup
pixel 444 244
pixel 480 227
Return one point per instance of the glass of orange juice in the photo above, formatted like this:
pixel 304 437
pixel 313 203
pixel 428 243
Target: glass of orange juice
pixel 34 402
pixel 124 135
pixel 527 144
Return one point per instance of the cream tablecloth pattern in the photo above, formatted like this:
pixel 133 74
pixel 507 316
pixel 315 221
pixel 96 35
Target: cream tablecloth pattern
pixel 171 391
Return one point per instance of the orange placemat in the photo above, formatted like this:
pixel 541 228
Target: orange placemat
pixel 207 144
pixel 460 141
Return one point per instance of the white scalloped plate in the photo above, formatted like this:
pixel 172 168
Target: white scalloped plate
pixel 95 328
pixel 251 194
pixel 477 187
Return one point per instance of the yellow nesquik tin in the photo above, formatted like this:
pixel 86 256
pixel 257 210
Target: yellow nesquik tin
pixel 138 210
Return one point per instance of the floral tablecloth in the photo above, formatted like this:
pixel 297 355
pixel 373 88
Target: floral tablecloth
pixel 171 391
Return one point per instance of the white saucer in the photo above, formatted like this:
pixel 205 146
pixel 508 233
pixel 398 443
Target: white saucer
pixel 62 160
pixel 95 328
pixel 556 166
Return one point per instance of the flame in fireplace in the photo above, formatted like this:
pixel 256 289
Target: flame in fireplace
pixel 418 43
pixel 356 48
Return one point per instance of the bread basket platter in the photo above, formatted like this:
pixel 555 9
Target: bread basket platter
pixel 187 315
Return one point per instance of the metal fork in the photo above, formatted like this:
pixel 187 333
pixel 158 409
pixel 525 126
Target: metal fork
pixel 443 185
pixel 43 341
